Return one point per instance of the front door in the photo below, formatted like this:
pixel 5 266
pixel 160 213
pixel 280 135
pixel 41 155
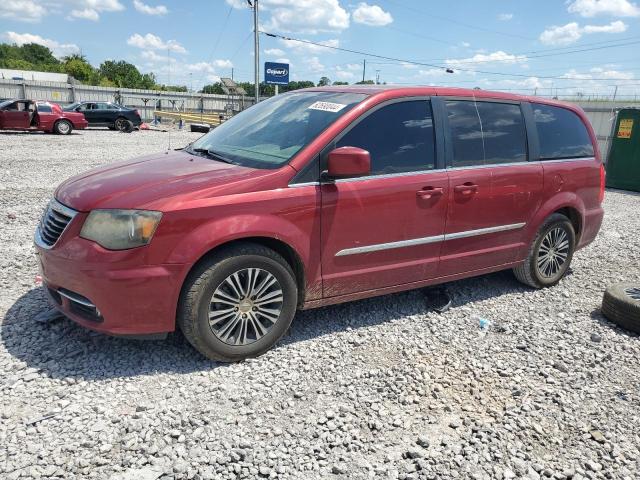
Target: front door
pixel 492 187
pixel 386 229
pixel 90 112
pixel 16 116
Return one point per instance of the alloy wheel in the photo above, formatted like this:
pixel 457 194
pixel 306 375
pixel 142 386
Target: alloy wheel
pixel 553 252
pixel 245 306
pixel 63 127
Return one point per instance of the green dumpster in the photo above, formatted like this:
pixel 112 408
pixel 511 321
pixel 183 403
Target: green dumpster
pixel 623 164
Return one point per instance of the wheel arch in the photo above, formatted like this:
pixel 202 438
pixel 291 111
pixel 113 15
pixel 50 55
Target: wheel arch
pixel 286 251
pixel 568 204
pixel 574 215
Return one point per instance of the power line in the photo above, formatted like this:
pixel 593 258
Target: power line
pixel 215 45
pixel 458 22
pixel 432 65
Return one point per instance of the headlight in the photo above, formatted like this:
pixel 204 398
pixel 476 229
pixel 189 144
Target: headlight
pixel 120 229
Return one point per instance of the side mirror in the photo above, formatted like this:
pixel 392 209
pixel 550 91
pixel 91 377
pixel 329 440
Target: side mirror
pixel 348 162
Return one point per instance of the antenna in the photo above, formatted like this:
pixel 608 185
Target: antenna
pixel 168 84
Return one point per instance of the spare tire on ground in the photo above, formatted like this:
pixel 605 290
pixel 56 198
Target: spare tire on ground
pixel 621 305
pixel 200 127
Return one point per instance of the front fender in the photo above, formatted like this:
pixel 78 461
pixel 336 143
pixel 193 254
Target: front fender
pixel 223 230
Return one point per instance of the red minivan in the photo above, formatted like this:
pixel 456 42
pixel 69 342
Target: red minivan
pixel 321 196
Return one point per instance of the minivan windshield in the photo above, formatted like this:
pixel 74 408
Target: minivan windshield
pixel 269 134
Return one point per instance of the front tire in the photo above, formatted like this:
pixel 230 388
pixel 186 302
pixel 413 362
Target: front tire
pixel 550 253
pixel 62 127
pixel 238 303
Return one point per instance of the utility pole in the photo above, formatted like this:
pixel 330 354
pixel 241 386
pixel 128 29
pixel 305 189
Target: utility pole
pixel 256 50
pixel 364 68
pixel 231 73
pixel 377 77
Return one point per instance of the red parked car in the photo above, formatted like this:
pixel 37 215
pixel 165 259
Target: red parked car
pixel 39 116
pixel 317 197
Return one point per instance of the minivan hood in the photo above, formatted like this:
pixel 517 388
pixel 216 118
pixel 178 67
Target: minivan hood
pixel 149 181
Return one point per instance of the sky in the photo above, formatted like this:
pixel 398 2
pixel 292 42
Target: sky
pixel 545 47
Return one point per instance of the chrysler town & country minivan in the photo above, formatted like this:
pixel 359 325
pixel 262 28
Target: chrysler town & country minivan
pixel 317 197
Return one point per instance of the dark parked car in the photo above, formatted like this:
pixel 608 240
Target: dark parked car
pixel 106 114
pixel 317 197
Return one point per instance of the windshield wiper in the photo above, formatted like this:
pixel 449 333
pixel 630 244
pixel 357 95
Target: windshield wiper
pixel 212 154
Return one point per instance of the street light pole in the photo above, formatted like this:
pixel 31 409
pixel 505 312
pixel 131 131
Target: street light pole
pixel 256 50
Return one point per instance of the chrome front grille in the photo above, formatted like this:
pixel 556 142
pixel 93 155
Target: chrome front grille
pixel 54 221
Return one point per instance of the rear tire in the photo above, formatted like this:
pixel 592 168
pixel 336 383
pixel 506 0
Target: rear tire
pixel 62 127
pixel 227 326
pixel 550 253
pixel 119 123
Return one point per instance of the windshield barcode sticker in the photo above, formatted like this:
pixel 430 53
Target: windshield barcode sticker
pixel 327 106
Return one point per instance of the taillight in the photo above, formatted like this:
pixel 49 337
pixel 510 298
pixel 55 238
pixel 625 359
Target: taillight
pixel 602 183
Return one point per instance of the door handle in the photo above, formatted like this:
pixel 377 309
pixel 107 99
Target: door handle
pixel 430 192
pixel 466 188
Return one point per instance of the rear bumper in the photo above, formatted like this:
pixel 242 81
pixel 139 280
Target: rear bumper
pixel 111 292
pixel 591 226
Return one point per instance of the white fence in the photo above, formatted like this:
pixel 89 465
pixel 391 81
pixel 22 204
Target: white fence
pixel 146 101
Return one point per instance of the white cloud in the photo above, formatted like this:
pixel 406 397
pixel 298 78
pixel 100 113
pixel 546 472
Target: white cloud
pixel 615 8
pixel 153 42
pixel 465 44
pixel 148 9
pixel 561 35
pixel 344 74
pixel 371 15
pixel 36 10
pixel 273 51
pixel 90 9
pixel 283 60
pixel 614 27
pixel 301 16
pixel 505 17
pixel 572 32
pixel 24 10
pixel 85 14
pixel 308 48
pixel 58 49
pixel 495 57
pixel 223 63
pixel 314 65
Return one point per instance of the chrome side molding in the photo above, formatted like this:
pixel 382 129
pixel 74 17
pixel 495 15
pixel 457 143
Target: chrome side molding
pixel 425 240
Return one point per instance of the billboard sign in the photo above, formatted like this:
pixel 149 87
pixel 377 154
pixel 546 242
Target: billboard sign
pixel 276 73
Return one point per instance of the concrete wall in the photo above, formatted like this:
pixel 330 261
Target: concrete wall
pixel 146 101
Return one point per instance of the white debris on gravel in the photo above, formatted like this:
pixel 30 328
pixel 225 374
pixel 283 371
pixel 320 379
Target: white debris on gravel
pixel 379 388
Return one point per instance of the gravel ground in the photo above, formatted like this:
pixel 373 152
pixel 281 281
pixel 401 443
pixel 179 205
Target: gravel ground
pixel 380 388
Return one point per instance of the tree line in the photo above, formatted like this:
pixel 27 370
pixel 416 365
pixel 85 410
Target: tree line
pixel 110 73
pixel 121 74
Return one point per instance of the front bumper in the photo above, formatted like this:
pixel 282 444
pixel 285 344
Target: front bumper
pixel 111 292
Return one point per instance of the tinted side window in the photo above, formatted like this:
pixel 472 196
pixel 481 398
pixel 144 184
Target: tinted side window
pixel 561 133
pixel 399 137
pixel 466 133
pixel 503 132
pixel 44 108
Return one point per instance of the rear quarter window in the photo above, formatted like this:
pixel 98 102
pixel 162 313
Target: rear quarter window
pixel 561 133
